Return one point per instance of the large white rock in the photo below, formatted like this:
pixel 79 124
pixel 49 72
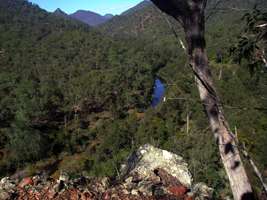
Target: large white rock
pixel 148 158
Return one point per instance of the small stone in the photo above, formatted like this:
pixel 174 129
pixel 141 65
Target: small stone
pixel 105 182
pixel 158 191
pixel 178 191
pixel 51 194
pixel 64 177
pixel 146 189
pixel 5 180
pixel 74 194
pixel 124 191
pixel 25 182
pixel 129 180
pixel 59 186
pixel 4 195
pixel 114 196
pixel 38 179
pixel 134 192
pixel 7 184
pixel 202 191
pixel 188 198
pixel 106 196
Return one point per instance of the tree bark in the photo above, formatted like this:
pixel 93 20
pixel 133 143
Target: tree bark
pixel 190 13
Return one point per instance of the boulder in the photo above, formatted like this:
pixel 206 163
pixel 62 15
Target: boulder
pixel 147 158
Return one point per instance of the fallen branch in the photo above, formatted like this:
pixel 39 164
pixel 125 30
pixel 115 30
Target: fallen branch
pixel 261 25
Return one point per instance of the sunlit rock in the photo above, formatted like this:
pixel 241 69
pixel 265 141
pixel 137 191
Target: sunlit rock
pixel 147 158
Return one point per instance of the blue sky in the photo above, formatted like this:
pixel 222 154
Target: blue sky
pixel 99 6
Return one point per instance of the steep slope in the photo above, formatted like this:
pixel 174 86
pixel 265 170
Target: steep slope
pixel 90 18
pixel 138 7
pixel 54 70
pixel 146 21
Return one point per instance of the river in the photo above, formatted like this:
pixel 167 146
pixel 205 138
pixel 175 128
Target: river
pixel 158 93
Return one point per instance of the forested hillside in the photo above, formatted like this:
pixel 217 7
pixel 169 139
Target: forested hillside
pixel 56 76
pixel 147 21
pixel 223 19
pixel 78 99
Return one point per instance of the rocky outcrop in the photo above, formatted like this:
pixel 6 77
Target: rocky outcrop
pixel 154 172
pixel 148 174
pixel 147 158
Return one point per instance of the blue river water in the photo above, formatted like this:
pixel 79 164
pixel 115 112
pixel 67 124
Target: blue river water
pixel 158 93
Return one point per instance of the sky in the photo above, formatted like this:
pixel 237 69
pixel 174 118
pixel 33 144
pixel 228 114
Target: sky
pixel 98 6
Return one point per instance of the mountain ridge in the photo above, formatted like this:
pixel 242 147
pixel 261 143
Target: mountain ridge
pixel 60 13
pixel 85 16
pixel 90 18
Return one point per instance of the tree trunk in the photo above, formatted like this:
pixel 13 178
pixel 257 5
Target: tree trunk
pixel 225 139
pixel 190 13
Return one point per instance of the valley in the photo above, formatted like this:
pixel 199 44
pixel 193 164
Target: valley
pixel 81 92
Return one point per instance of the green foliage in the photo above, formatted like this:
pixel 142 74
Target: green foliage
pixel 26 144
pixel 73 95
pixel 58 77
pixel 252 42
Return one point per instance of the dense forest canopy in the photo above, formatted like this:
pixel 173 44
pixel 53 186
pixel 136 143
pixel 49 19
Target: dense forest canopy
pixel 79 98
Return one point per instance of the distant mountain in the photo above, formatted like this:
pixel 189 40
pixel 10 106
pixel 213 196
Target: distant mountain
pixel 87 17
pixel 108 16
pixel 90 18
pixel 60 13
